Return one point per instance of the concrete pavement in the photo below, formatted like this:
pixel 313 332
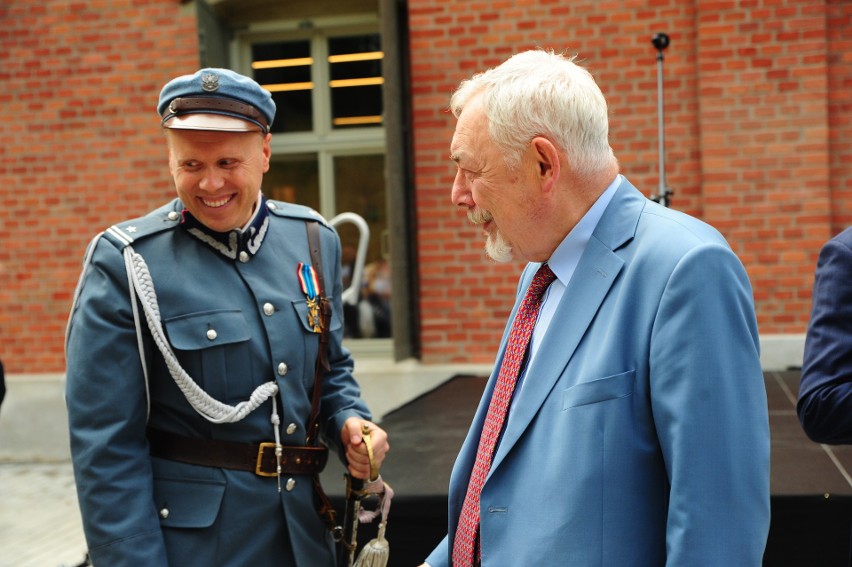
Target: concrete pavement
pixel 39 518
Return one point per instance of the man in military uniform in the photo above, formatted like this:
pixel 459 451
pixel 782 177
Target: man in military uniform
pixel 193 346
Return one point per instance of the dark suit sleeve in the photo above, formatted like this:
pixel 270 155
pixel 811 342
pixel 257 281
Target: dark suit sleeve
pixel 825 393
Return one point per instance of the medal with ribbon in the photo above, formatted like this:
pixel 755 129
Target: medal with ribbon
pixel 310 287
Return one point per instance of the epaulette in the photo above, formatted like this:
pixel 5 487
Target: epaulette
pixel 127 232
pixel 292 210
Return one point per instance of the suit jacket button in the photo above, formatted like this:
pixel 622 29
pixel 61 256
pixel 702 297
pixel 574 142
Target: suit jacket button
pixel 291 429
pixel 282 369
pixel 212 334
pixel 290 484
pixel 164 513
pixel 244 257
pixel 268 309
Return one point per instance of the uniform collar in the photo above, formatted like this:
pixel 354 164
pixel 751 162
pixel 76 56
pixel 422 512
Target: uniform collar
pixel 239 243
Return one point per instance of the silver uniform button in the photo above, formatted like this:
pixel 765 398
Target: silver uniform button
pixel 212 334
pixel 268 309
pixel 282 369
pixel 271 206
pixel 244 257
pixel 164 513
pixel 173 216
pixel 290 484
pixel 291 429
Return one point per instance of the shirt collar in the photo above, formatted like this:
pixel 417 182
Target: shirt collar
pixel 567 255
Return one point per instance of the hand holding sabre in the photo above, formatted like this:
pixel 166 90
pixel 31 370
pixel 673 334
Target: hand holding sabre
pixel 352 435
pixel 365 450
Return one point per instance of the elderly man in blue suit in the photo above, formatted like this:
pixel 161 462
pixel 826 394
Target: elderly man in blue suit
pixel 825 392
pixel 636 431
pixel 204 358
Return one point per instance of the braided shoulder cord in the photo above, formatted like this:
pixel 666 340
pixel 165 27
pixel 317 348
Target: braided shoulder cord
pixel 138 325
pixel 208 407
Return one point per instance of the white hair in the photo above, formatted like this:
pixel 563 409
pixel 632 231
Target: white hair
pixel 542 93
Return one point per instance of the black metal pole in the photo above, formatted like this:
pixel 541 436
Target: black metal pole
pixel 661 42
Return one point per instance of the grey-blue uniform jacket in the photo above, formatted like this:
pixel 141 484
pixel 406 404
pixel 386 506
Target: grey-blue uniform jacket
pixel 235 315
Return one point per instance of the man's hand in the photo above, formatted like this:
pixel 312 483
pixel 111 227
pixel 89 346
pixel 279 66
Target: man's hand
pixel 356 450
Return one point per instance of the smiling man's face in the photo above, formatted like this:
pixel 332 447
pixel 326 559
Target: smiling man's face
pixel 218 174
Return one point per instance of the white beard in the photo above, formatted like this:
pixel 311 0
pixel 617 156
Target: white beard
pixel 498 248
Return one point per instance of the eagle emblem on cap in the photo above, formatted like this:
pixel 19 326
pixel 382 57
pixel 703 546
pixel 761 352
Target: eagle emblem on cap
pixel 210 82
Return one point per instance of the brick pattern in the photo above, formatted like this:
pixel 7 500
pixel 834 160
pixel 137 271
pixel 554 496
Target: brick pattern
pixel 839 18
pixel 758 109
pixel 751 119
pixel 81 148
pixel 465 299
pixel 764 144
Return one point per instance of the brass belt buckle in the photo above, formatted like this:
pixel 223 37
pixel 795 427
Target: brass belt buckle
pixel 258 469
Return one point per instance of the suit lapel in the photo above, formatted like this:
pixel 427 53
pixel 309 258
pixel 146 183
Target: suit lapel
pixel 596 272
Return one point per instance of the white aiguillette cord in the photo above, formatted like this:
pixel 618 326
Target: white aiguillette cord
pixel 208 407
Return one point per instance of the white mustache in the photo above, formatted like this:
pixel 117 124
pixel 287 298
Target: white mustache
pixel 479 216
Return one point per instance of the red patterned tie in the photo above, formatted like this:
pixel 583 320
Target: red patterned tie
pixel 465 548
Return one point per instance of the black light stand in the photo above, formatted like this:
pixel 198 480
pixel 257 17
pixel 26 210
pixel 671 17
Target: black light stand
pixel 661 42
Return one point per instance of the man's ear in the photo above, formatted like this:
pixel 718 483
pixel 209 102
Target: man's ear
pixel 548 165
pixel 267 151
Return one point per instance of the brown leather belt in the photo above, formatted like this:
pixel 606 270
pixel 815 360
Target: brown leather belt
pixel 252 457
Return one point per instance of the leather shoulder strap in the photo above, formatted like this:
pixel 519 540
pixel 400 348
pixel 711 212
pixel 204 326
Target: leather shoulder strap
pixel 325 306
pixel 323 504
pixel 316 252
pixel 322 364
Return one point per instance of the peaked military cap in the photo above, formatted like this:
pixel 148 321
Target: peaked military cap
pixel 216 99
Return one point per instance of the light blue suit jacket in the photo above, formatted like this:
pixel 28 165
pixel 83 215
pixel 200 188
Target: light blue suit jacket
pixel 641 436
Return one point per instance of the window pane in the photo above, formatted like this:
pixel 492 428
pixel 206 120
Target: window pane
pixel 284 68
pixel 360 188
pixel 355 68
pixel 294 179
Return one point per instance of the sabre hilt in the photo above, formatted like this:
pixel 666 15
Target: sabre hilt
pixel 374 470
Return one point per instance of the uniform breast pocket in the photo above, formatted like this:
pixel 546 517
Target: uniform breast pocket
pixel 213 348
pixel 600 390
pixel 306 316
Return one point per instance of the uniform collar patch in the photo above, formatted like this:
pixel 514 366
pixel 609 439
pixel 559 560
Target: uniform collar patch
pixel 235 244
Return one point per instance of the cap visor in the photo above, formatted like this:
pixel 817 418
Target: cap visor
pixel 211 122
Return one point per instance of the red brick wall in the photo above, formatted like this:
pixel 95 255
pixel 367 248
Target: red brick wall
pixel 81 147
pixel 839 19
pixel 749 147
pixel 758 140
pixel 764 144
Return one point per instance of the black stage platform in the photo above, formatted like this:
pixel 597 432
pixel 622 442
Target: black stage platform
pixel 810 483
